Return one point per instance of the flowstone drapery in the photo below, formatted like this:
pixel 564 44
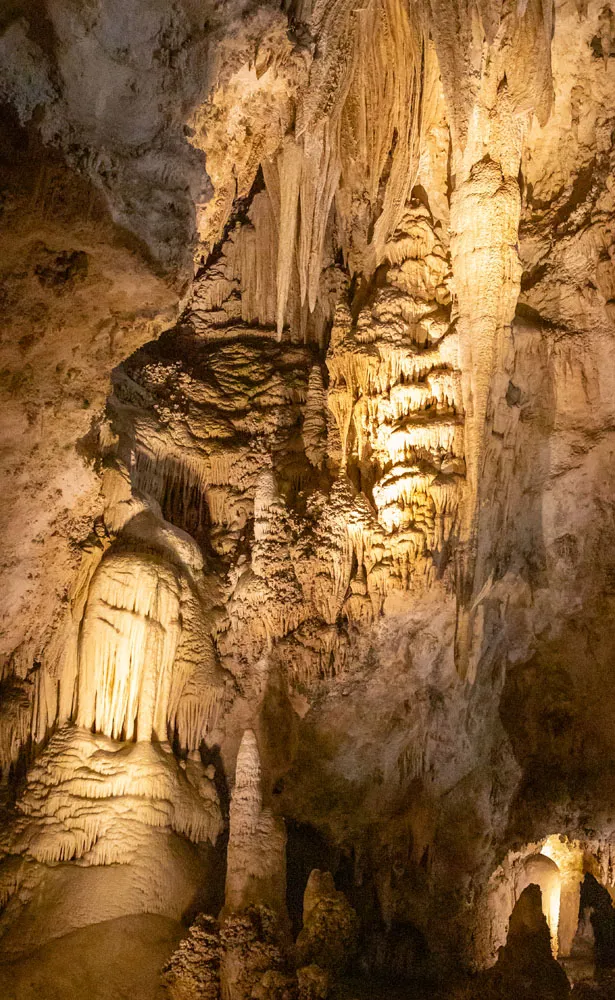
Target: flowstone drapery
pixel 307 522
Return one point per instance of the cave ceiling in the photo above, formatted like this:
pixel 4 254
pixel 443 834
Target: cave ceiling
pixel 308 468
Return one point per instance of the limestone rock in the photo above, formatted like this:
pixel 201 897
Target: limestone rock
pixel 256 862
pixel 307 396
pixel 193 971
pixel 329 934
pixel 526 966
pixel 251 952
pixel 313 983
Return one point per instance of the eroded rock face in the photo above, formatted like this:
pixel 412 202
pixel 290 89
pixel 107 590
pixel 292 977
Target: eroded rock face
pixel 328 938
pixel 344 529
pixel 76 297
pixel 194 969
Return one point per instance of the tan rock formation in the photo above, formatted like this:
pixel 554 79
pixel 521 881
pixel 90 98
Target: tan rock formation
pixel 328 938
pixel 313 983
pixel 337 550
pixel 119 814
pixel 252 961
pixel 193 971
pixel 256 862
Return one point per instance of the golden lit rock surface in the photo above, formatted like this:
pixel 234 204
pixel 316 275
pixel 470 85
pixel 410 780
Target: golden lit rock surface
pixel 308 404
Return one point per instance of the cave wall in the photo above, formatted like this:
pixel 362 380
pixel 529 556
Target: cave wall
pixel 343 275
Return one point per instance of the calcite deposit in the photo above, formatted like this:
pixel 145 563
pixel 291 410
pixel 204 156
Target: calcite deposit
pixel 308 533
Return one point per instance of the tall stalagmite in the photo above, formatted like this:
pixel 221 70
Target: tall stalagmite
pixel 308 403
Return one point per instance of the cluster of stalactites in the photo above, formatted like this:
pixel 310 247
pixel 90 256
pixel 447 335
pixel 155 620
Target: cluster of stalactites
pixel 146 665
pixel 297 582
pixel 15 720
pixel 255 280
pixel 518 36
pixel 83 786
pixel 360 119
pixel 349 135
pixel 127 648
pixel 310 577
pixel 391 410
pixel 395 394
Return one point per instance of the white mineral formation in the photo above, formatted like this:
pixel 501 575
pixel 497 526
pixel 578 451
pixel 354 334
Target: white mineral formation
pixel 256 857
pixel 308 410
pixel 127 647
pixel 113 784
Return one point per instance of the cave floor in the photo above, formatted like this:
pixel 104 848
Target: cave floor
pixel 121 960
pixel 598 986
pixel 113 960
pixel 368 989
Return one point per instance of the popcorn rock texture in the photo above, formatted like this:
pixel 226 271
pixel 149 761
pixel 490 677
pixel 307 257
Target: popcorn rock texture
pixel 307 520
pixel 194 969
pixel 329 935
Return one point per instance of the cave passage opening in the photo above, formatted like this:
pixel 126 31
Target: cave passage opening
pixel 576 898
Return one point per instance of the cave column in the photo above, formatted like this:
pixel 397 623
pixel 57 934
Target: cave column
pixel 572 870
pixel 568 913
pixel 485 213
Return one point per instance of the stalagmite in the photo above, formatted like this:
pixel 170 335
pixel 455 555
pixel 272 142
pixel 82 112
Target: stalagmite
pixel 256 864
pixel 307 516
pixel 328 936
pixel 255 894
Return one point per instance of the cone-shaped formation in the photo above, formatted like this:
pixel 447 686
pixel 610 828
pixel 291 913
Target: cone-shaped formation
pixel 358 495
pixel 256 858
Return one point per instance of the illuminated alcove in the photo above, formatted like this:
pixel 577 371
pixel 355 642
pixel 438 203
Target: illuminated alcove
pixel 558 866
pixel 541 870
pixel 309 562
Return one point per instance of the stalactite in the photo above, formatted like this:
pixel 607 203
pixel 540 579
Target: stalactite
pixel 319 180
pixel 197 685
pixel 314 420
pixel 266 501
pixel 257 263
pixel 382 123
pixel 15 721
pixel 289 165
pixel 175 479
pixel 83 788
pixel 127 647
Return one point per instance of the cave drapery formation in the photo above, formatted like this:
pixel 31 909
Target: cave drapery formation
pixel 308 561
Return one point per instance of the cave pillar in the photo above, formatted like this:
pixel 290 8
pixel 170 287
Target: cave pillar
pixel 569 859
pixel 568 912
pixel 485 213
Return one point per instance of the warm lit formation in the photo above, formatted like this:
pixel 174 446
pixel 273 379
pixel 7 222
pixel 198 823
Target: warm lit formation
pixel 308 463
